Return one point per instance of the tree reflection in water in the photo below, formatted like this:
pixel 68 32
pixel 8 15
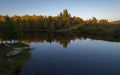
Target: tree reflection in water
pixel 63 38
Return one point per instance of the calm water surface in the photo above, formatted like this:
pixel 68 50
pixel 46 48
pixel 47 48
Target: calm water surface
pixel 80 57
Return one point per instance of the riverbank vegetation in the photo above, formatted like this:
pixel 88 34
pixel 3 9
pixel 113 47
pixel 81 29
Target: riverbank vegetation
pixel 62 22
pixel 12 65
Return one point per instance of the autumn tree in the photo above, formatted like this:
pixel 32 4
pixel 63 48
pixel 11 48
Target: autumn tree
pixel 94 20
pixel 39 22
pixel 66 18
pixel 103 21
pixel 77 20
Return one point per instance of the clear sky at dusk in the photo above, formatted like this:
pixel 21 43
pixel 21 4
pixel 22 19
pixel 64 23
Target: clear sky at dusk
pixel 108 9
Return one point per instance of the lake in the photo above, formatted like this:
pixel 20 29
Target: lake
pixel 81 57
pixel 61 54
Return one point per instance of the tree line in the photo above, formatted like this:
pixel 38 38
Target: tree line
pixel 34 22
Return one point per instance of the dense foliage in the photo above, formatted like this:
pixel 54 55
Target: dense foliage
pixel 62 22
pixel 27 22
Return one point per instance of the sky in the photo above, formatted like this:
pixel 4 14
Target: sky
pixel 101 9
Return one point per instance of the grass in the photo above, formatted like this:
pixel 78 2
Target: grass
pixel 10 66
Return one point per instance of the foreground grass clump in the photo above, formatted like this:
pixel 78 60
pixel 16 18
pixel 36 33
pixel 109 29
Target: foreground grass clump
pixel 11 66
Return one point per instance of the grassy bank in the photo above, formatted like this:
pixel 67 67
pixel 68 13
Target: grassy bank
pixel 12 66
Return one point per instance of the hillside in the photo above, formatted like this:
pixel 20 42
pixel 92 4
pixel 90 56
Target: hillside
pixel 115 22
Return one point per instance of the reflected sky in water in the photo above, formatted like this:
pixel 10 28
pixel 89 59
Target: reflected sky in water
pixel 80 57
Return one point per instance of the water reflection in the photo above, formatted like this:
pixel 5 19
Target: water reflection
pixel 81 57
pixel 78 56
pixel 63 38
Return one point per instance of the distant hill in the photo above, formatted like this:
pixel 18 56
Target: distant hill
pixel 115 22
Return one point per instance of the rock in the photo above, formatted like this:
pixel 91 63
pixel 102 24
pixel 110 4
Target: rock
pixel 23 48
pixel 14 52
